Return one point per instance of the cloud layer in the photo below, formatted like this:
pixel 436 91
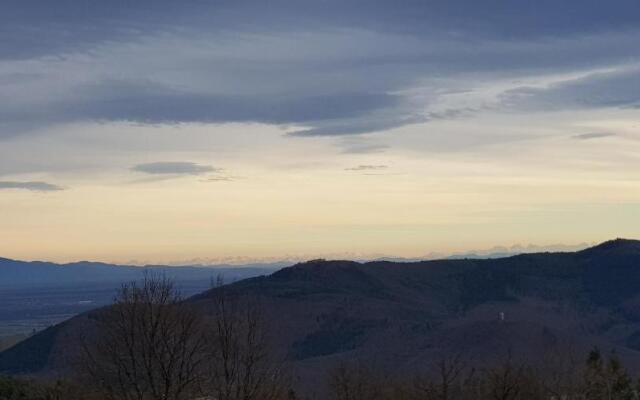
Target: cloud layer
pixel 34 186
pixel 367 168
pixel 345 68
pixel 491 115
pixel 173 168
pixel 593 135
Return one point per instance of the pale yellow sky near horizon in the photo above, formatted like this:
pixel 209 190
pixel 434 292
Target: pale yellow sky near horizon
pixel 276 130
pixel 349 140
pixel 275 197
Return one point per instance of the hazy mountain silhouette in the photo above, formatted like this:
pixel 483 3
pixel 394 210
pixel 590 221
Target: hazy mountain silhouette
pixel 403 315
pixel 43 274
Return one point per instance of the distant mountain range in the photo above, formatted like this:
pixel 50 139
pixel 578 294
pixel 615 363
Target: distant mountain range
pixel 15 274
pixel 406 315
pixel 35 295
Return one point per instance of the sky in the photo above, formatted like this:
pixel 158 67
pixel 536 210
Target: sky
pixel 164 131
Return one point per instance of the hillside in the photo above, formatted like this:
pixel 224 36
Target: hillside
pixel 405 315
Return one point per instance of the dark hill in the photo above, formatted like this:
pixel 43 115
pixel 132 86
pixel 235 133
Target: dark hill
pixel 405 315
pixel 616 246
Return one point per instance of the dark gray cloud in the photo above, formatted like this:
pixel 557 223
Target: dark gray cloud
pixel 336 113
pixel 35 186
pixel 332 68
pixel 593 135
pixel 36 27
pixel 174 168
pixel 157 104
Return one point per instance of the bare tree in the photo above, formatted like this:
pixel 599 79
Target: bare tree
pixel 152 345
pixel 511 380
pixel 242 366
pixel 148 345
pixel 561 373
pixel 355 382
pixel 444 383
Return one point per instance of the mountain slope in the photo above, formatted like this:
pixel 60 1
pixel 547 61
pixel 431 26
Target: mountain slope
pixel 405 315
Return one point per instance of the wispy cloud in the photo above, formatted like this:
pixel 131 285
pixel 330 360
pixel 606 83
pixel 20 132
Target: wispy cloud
pixel 221 178
pixel 593 135
pixel 367 168
pixel 365 148
pixel 174 168
pixel 360 145
pixel 35 186
pixel 616 88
